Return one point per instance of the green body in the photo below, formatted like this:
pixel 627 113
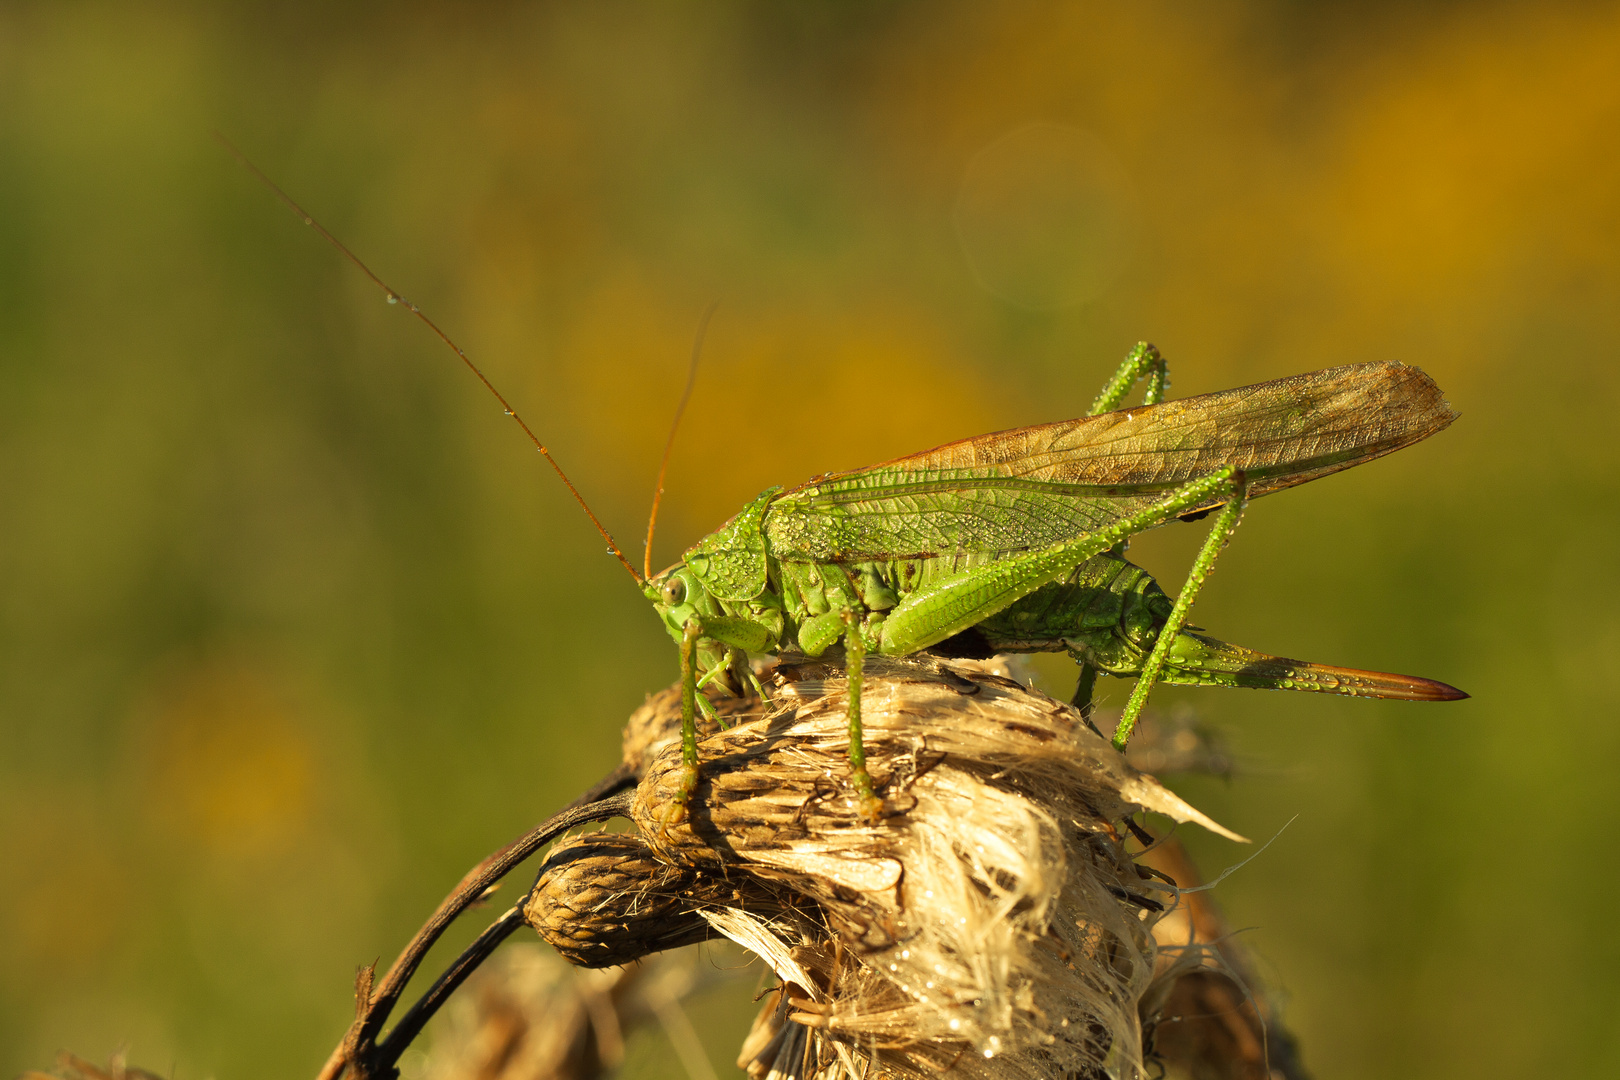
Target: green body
pixel 1013 541
pixel 1107 612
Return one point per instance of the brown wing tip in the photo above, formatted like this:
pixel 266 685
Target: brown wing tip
pixel 1443 414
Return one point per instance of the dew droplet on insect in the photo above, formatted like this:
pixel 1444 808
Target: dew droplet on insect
pixel 392 299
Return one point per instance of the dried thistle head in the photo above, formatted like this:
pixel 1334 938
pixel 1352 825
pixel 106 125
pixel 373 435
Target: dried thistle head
pixel 994 922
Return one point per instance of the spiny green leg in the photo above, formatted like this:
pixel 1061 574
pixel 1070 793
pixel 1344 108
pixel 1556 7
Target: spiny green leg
pixel 1226 523
pixel 866 800
pixel 704 705
pixel 752 682
pixel 1143 362
pixel 689 706
pixel 1083 689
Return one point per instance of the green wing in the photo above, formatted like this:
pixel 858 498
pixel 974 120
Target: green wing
pixel 1034 486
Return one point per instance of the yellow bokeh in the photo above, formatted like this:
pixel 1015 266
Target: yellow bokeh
pixel 226 770
pixel 294 628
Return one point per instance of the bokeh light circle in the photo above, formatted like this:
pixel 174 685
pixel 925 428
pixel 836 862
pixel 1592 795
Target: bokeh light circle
pixel 1046 216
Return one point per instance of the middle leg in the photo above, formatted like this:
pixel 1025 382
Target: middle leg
pixel 1083 690
pixel 867 803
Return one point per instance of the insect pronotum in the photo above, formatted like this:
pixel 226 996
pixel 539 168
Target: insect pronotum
pixel 1014 541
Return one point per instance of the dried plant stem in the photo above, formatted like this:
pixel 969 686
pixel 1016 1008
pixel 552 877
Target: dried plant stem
pixel 1215 1021
pixel 1001 919
pixel 359 1053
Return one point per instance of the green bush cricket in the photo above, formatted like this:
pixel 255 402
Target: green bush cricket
pixel 1014 541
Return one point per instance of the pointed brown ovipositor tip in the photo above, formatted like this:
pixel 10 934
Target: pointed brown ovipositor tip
pixel 1385 684
pixel 1440 691
pixel 1388 685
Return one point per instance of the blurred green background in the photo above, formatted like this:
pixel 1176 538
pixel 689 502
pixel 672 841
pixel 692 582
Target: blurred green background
pixel 294 627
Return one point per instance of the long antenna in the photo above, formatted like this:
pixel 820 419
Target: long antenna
pixel 669 444
pixel 394 297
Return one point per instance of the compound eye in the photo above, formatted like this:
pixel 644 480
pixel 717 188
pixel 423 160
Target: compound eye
pixel 674 591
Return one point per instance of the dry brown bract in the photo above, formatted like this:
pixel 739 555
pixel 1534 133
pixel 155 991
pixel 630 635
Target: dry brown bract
pixel 993 923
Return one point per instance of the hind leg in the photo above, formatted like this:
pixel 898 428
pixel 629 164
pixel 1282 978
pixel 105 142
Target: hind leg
pixel 1226 523
pixel 1143 363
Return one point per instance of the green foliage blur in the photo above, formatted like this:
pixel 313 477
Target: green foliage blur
pixel 294 626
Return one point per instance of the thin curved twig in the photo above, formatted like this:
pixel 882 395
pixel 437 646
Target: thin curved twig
pixel 416 1017
pixel 359 1052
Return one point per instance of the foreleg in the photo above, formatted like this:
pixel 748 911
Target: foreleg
pixel 689 706
pixel 739 634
